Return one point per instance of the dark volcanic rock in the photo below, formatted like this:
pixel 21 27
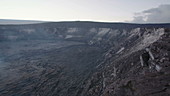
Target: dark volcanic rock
pixel 85 59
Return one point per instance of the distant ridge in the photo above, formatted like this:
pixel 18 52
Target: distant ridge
pixel 87 24
pixel 13 21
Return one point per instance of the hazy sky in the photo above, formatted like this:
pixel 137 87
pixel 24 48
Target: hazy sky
pixel 89 10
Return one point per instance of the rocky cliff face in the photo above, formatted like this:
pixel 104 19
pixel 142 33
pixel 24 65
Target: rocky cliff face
pixel 85 59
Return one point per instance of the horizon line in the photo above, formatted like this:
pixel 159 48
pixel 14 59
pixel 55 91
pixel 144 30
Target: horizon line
pixel 44 21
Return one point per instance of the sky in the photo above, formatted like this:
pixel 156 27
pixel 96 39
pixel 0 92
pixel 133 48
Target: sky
pixel 137 11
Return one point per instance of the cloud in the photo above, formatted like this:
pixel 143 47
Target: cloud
pixel 160 14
